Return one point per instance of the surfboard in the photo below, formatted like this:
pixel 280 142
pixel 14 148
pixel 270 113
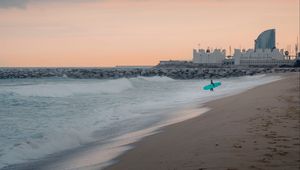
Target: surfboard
pixel 210 86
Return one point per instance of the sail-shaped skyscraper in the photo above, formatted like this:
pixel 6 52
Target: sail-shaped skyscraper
pixel 266 40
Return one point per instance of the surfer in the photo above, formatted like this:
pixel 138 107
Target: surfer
pixel 213 84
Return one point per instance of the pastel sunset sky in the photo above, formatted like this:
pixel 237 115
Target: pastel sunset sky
pixel 56 33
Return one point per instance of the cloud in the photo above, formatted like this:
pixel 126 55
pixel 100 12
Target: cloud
pixel 13 3
pixel 23 3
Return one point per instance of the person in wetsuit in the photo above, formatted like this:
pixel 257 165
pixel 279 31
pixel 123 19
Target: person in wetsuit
pixel 212 83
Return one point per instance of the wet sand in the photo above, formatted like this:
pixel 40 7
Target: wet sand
pixel 257 129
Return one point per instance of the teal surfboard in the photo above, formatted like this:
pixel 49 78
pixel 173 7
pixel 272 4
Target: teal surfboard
pixel 210 86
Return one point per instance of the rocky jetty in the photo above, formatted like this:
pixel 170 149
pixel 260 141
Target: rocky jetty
pixel 113 73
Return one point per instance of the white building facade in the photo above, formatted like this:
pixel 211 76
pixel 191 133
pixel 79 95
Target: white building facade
pixel 265 52
pixel 260 57
pixel 202 56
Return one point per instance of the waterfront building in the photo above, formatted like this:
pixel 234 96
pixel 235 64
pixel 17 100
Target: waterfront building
pixel 266 40
pixel 264 52
pixel 260 57
pixel 202 56
pixel 174 62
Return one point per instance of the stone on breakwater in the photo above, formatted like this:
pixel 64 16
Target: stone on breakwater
pixel 113 73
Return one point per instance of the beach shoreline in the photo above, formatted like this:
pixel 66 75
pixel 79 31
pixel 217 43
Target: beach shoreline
pixel 105 154
pixel 256 129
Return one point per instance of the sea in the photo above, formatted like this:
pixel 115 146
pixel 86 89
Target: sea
pixel 64 123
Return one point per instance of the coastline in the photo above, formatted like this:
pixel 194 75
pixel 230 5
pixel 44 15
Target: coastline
pixel 256 129
pixel 103 154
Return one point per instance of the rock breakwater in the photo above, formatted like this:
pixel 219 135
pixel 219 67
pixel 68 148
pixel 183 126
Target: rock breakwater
pixel 113 73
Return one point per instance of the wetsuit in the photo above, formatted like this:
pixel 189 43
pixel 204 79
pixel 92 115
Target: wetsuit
pixel 212 83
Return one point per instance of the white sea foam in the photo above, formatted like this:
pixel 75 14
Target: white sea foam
pixel 63 89
pixel 156 79
pixel 40 117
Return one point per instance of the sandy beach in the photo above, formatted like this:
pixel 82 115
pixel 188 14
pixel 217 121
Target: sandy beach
pixel 257 129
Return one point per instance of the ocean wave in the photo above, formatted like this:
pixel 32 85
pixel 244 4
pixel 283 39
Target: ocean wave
pixel 43 126
pixel 64 89
pixel 46 143
pixel 156 79
pixel 68 88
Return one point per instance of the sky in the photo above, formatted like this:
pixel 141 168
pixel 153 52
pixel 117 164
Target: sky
pixel 102 33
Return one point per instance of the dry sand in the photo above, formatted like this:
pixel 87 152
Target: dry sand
pixel 257 129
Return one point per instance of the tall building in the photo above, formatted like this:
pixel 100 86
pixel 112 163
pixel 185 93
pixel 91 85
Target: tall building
pixel 264 52
pixel 266 40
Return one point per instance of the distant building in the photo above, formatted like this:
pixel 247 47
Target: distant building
pixel 260 57
pixel 132 67
pixel 266 40
pixel 202 56
pixel 264 53
pixel 172 62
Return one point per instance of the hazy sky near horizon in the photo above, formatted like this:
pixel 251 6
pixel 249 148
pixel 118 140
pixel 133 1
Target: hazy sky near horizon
pixel 135 32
